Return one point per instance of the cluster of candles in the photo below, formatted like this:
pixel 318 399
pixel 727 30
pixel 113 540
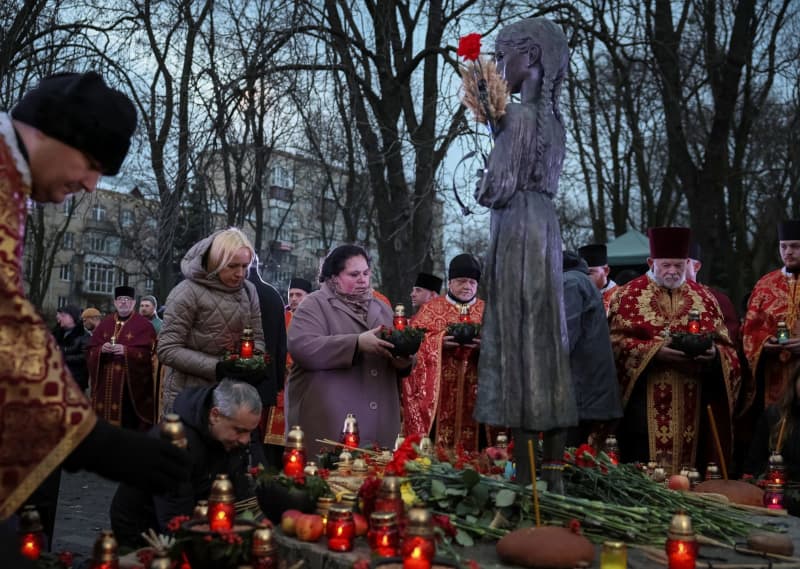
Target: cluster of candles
pixel 776 480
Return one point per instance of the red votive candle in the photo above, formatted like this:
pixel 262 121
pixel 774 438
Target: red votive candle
pixel 383 537
pixel 681 545
pixel 681 554
pixel 31 545
pixel 773 497
pixel 418 552
pixel 340 528
pixel 294 461
pixel 220 516
pixel 350 440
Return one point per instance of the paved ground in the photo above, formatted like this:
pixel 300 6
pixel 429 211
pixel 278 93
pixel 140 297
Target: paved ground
pixel 83 504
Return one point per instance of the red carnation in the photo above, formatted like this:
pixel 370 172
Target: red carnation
pixel 469 47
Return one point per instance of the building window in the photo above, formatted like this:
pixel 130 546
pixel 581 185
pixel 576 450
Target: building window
pixel 65 273
pixel 149 285
pixel 280 193
pixel 101 243
pixel 126 219
pixel 99 277
pixel 69 240
pixel 62 301
pixel 69 206
pixel 124 278
pixel 98 212
pixel 282 177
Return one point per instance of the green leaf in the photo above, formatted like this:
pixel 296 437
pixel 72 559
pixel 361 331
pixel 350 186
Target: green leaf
pixel 438 489
pixel 456 492
pixel 504 498
pixel 464 539
pixel 470 477
pixel 480 492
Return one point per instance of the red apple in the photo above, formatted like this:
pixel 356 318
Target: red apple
pixel 678 482
pixel 289 521
pixel 361 524
pixel 309 527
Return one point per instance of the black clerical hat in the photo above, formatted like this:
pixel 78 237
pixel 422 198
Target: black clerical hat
pixel 464 265
pixel 429 282
pixel 302 284
pixel 124 291
pixel 789 230
pixel 595 255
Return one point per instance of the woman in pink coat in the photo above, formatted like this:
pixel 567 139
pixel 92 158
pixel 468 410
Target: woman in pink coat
pixel 340 364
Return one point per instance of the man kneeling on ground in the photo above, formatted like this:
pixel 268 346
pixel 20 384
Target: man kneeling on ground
pixel 220 425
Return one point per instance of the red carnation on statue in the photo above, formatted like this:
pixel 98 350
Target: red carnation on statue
pixel 469 47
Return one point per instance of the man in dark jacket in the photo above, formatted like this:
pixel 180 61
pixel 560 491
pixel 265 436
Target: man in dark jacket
pixel 220 425
pixel 72 338
pixel 590 357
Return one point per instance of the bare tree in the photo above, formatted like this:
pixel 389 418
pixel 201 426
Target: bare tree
pixel 393 88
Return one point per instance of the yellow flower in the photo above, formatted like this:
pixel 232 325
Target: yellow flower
pixel 424 461
pixel 408 495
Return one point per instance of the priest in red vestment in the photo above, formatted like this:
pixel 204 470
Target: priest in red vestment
pixel 439 395
pixel 275 431
pixel 58 140
pixel 775 298
pixel 121 365
pixel 664 391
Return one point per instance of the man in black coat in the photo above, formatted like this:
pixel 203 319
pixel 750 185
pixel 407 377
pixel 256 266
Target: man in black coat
pixel 221 429
pixel 73 338
pixel 590 357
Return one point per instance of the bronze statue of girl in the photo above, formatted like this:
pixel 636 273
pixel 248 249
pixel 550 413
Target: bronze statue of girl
pixel 524 378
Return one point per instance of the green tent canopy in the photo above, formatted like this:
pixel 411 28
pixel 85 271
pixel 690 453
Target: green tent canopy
pixel 631 248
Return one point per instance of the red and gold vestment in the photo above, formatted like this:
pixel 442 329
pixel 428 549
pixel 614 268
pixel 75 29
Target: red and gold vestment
pixel 275 428
pixel 775 297
pixel 642 314
pixel 130 375
pixel 443 385
pixel 43 413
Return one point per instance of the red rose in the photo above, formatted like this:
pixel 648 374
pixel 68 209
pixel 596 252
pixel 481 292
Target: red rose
pixel 469 47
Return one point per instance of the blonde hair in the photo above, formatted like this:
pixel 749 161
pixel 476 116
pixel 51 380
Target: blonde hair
pixel 224 247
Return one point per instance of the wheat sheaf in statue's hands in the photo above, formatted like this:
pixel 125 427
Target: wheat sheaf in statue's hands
pixel 483 89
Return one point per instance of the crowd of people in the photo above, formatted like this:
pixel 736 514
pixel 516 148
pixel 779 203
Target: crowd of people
pixel 98 385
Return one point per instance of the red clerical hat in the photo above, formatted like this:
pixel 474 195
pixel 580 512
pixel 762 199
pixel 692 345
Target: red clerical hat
pixel 669 242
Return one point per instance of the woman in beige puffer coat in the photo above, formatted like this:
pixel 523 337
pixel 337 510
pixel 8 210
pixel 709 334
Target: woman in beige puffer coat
pixel 207 312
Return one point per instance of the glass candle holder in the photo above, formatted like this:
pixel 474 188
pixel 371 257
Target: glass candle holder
pixel 264 551
pixel 104 552
pixel 681 554
pixel 418 552
pixel 389 498
pixel 221 509
pixel 350 437
pixel 681 545
pixel 324 504
pixel 694 321
pixel 30 545
pixel 294 461
pixel 246 344
pixel 773 497
pixel 614 555
pixel 400 321
pixel 776 470
pixel 340 529
pixel 383 536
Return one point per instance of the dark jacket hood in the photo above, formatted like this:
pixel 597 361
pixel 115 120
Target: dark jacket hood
pixel 574 262
pixel 192 406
